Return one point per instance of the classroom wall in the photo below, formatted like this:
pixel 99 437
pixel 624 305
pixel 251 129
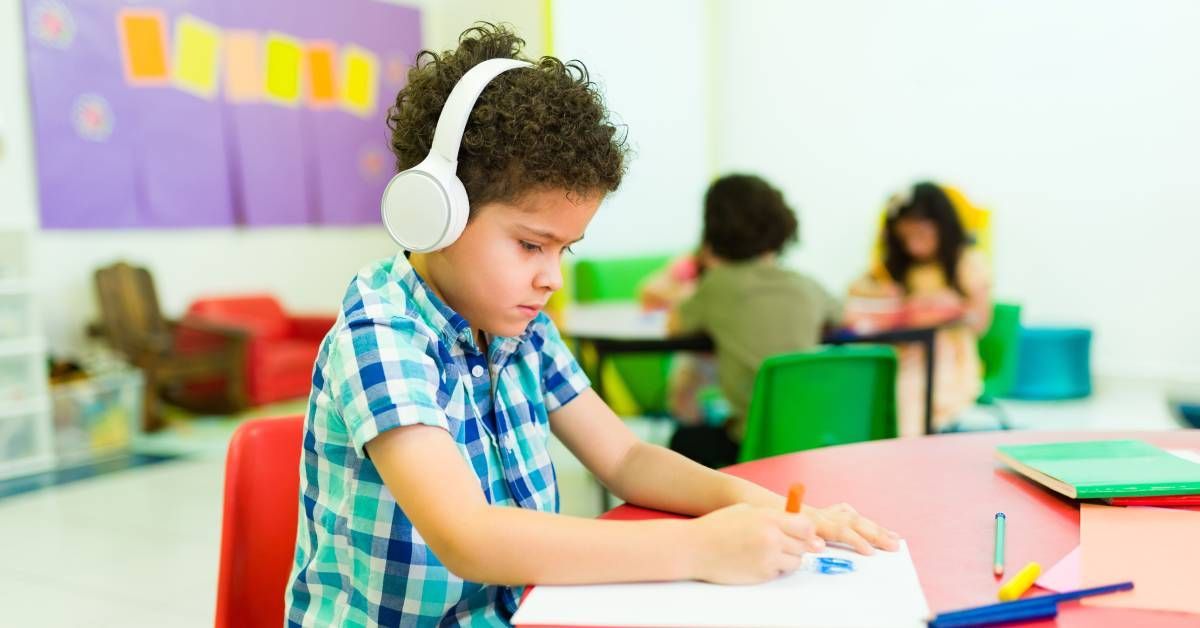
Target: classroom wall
pixel 648 57
pixel 1074 121
pixel 449 18
pixel 308 268
pixel 1079 134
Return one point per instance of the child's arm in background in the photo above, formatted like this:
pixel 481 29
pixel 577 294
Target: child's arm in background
pixel 655 477
pixel 687 315
pixel 672 284
pixel 976 282
pixel 871 286
pixel 423 468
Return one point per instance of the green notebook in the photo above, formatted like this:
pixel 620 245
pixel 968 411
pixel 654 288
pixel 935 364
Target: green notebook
pixel 1104 468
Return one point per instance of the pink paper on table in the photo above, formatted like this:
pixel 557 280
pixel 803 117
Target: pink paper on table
pixel 1156 548
pixel 1065 575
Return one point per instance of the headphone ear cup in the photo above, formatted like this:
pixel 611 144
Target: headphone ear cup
pixel 459 211
pixel 425 207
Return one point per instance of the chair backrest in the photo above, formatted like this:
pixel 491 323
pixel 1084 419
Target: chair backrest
pixel 827 396
pixel 258 530
pixel 259 314
pixel 644 376
pixel 133 321
pixel 998 349
pixel 614 279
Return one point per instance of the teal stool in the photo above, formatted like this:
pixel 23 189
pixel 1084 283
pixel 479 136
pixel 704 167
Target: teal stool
pixel 1053 363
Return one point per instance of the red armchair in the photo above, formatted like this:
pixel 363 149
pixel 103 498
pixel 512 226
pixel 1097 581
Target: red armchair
pixel 281 348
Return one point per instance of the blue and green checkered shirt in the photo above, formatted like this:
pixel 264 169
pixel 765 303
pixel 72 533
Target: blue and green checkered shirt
pixel 400 356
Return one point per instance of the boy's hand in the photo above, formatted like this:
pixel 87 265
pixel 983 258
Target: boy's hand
pixel 744 544
pixel 842 524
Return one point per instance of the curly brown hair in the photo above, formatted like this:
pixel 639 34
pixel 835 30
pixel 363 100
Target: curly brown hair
pixel 544 127
pixel 744 217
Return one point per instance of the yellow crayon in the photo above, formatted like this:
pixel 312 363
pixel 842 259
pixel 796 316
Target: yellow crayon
pixel 1020 583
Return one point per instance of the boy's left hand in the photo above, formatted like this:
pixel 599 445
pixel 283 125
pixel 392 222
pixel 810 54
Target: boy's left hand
pixel 842 524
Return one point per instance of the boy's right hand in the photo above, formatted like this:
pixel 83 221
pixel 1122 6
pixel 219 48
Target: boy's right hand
pixel 744 544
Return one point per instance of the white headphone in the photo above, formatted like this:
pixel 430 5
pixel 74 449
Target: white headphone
pixel 425 208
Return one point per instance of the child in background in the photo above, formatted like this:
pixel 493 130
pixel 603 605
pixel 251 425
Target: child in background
pixel 427 493
pixel 929 263
pixel 750 305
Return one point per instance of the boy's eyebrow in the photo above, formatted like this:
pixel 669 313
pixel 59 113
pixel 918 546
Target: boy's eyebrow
pixel 546 235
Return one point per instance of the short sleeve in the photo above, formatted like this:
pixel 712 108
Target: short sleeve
pixel 562 377
pixel 974 275
pixel 380 377
pixel 692 312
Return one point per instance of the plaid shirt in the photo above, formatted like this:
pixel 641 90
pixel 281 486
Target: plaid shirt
pixel 399 356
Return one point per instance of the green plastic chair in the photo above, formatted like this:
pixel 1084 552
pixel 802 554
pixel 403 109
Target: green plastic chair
pixel 998 351
pixel 617 279
pixel 828 396
pixel 614 279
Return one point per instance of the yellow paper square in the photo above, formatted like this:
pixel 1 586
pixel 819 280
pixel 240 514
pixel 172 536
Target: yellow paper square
pixel 243 66
pixel 283 68
pixel 360 79
pixel 197 55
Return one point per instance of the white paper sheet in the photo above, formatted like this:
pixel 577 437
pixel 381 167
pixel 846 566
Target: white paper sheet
pixel 882 591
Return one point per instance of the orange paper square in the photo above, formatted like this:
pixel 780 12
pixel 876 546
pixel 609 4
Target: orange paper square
pixel 143 46
pixel 243 66
pixel 1156 548
pixel 322 86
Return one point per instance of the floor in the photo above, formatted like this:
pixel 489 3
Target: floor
pixel 139 547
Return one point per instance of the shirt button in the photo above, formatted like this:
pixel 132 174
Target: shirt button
pixel 477 371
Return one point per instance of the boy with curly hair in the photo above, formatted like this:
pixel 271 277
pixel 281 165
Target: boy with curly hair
pixel 427 492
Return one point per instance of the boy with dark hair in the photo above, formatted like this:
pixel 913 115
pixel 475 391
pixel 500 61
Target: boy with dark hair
pixel 751 306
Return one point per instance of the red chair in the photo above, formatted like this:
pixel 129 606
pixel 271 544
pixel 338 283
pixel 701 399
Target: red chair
pixel 258 531
pixel 281 348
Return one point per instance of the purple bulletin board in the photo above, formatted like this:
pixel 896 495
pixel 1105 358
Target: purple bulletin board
pixel 193 113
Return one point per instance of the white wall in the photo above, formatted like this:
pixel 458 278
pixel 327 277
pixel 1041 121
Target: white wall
pixel 308 268
pixel 648 56
pixel 446 19
pixel 1077 122
pixel 17 193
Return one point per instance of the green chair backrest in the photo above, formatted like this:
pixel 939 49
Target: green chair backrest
pixel 614 279
pixel 618 279
pixel 827 396
pixel 998 350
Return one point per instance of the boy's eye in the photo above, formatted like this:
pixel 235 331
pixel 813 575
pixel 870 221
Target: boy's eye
pixel 569 250
pixel 531 247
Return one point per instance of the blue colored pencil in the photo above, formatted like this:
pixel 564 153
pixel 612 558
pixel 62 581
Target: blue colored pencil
pixel 993 613
pixel 1046 610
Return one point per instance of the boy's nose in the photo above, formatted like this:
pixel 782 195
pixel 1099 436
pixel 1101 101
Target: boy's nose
pixel 550 277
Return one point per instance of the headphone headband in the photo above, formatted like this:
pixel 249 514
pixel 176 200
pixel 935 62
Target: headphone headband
pixel 457 111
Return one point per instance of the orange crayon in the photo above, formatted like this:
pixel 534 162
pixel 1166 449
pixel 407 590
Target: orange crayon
pixel 795 498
